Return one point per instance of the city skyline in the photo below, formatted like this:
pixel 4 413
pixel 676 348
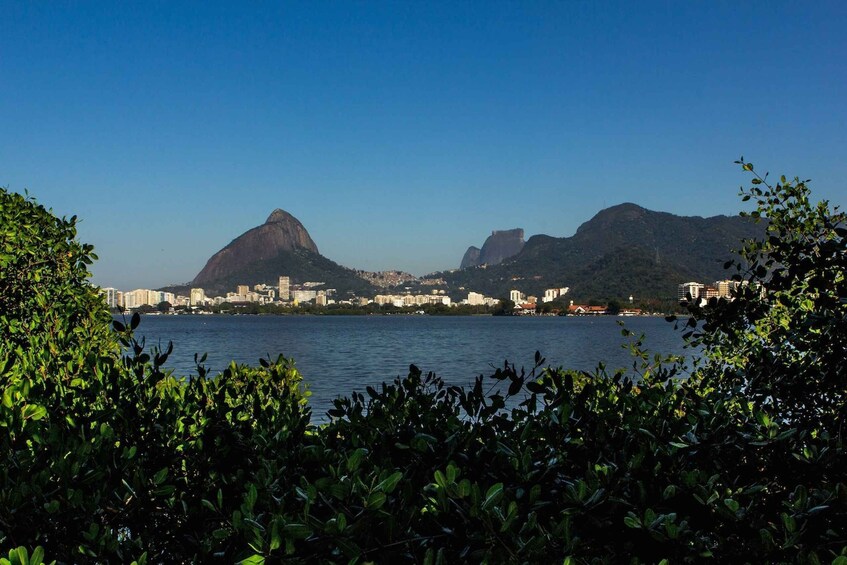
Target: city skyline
pixel 401 134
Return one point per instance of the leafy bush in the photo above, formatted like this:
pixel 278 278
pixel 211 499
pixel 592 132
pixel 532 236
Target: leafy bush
pixel 109 457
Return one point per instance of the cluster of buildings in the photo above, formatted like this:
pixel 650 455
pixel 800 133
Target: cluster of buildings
pixel 703 292
pixel 550 295
pixel 283 293
pixel 309 292
pixel 134 299
pixel 527 305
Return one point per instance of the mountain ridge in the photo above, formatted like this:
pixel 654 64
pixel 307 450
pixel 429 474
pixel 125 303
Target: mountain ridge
pixel 651 251
pixel 622 250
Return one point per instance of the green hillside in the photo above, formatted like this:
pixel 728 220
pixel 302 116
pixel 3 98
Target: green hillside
pixel 624 250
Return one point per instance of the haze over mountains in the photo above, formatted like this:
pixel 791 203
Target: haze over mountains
pixel 623 250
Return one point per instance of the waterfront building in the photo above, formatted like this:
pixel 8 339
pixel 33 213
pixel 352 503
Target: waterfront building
pixel 242 289
pixel 303 295
pixel 709 292
pixel 111 296
pixel 516 296
pixel 284 288
pixel 692 288
pixel 552 294
pixel 197 297
pixel 135 298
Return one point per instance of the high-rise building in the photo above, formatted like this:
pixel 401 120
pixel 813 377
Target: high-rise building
pixel 284 288
pixel 724 288
pixel 692 288
pixel 155 297
pixel 552 294
pixel 111 296
pixel 516 296
pixel 242 289
pixel 198 297
pixel 475 299
pixel 135 298
pixel 708 292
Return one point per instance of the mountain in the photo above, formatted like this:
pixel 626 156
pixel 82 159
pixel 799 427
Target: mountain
pixel 470 258
pixel 499 246
pixel 281 246
pixel 623 250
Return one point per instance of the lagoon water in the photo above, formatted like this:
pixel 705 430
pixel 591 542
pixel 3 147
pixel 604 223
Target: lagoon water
pixel 339 354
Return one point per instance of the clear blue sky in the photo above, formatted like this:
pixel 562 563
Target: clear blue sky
pixel 401 133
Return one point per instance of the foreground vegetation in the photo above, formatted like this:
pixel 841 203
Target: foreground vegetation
pixel 105 456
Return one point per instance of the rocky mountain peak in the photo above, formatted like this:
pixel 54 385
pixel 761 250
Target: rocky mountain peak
pixel 470 258
pixel 280 216
pixel 499 246
pixel 280 233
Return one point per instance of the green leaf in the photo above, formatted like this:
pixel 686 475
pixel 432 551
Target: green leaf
pixel 37 557
pixel 632 521
pixel 492 496
pixel 253 560
pixel 388 484
pixel 376 500
pixel 276 539
pixel 297 531
pixel 160 477
pixel 355 459
pixel 33 412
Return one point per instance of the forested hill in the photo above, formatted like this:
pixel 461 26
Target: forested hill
pixel 623 250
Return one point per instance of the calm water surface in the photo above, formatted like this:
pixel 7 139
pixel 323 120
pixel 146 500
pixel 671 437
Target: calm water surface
pixel 339 354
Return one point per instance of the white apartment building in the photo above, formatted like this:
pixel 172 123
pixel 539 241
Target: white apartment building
pixel 135 298
pixel 692 288
pixel 552 294
pixel 197 297
pixel 111 296
pixel 476 299
pixel 303 295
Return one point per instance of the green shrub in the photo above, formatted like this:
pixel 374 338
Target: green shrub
pixel 108 457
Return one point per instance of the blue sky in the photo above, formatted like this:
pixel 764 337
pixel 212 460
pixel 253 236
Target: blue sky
pixel 401 133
